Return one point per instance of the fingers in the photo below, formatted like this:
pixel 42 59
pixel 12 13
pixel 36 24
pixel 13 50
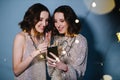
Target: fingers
pixel 53 55
pixel 48 36
pixel 51 62
pixel 50 59
pixel 56 58
pixel 44 44
pixel 42 50
pixel 42 47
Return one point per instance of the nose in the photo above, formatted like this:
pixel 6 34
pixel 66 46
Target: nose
pixel 58 25
pixel 44 23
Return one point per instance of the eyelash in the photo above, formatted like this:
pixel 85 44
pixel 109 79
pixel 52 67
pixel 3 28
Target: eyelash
pixel 45 20
pixel 60 21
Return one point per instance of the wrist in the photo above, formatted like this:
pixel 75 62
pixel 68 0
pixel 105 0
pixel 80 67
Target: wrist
pixel 31 55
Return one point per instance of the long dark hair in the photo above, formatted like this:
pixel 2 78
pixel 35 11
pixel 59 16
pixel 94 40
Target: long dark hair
pixel 70 17
pixel 32 16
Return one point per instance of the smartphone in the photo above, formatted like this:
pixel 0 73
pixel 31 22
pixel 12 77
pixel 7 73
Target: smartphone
pixel 52 49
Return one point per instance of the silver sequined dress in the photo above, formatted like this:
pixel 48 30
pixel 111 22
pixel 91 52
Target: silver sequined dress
pixel 37 69
pixel 73 53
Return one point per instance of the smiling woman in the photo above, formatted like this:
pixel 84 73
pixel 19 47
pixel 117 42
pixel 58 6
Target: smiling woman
pixel 100 31
pixel 72 46
pixel 30 45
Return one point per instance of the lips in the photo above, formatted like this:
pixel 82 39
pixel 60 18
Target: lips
pixel 41 27
pixel 60 29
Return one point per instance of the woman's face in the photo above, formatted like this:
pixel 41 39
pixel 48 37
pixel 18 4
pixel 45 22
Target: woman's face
pixel 40 26
pixel 60 23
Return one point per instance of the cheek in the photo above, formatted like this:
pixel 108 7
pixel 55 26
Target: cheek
pixel 55 25
pixel 46 23
pixel 38 23
pixel 65 29
pixel 36 26
pixel 66 26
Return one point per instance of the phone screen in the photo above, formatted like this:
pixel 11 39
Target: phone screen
pixel 54 50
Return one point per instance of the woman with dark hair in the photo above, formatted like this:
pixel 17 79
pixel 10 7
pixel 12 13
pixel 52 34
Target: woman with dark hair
pixel 30 45
pixel 72 46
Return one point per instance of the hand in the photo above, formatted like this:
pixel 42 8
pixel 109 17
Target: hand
pixel 42 47
pixel 34 53
pixel 51 62
pixel 56 63
pixel 62 66
pixel 48 37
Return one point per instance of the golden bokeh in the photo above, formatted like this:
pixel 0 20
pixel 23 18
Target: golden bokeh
pixel 118 36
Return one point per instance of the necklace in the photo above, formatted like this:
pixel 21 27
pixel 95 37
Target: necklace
pixel 34 44
pixel 41 56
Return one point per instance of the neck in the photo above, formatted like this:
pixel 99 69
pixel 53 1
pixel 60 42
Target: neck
pixel 39 38
pixel 70 35
pixel 33 33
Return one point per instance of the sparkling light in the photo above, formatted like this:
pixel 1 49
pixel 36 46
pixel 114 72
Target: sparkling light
pixel 100 6
pixel 76 41
pixel 93 4
pixel 76 21
pixel 118 36
pixel 64 52
pixel 107 77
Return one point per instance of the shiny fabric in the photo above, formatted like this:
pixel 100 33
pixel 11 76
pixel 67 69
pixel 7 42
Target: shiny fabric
pixel 37 68
pixel 74 55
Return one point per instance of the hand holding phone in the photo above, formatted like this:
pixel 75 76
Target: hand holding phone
pixel 54 50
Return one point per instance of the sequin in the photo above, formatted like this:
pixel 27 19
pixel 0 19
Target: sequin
pixel 64 52
pixel 76 41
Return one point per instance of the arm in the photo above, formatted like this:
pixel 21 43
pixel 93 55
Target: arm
pixel 77 60
pixel 18 48
pixel 76 63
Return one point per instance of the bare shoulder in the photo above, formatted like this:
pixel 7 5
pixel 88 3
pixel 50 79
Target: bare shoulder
pixel 20 36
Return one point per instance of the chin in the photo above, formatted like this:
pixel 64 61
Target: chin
pixel 61 32
pixel 41 31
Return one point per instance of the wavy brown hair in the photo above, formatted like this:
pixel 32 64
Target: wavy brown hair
pixel 70 17
pixel 32 16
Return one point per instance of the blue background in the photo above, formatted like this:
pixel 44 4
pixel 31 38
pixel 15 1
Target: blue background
pixel 100 31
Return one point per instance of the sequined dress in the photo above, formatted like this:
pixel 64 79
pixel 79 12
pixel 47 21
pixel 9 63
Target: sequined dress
pixel 37 68
pixel 73 53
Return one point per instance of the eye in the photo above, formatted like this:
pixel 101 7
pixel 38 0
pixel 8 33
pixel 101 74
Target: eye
pixel 62 20
pixel 40 19
pixel 47 20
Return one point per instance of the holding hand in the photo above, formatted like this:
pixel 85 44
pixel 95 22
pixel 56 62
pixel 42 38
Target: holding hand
pixel 57 63
pixel 48 37
pixel 42 47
